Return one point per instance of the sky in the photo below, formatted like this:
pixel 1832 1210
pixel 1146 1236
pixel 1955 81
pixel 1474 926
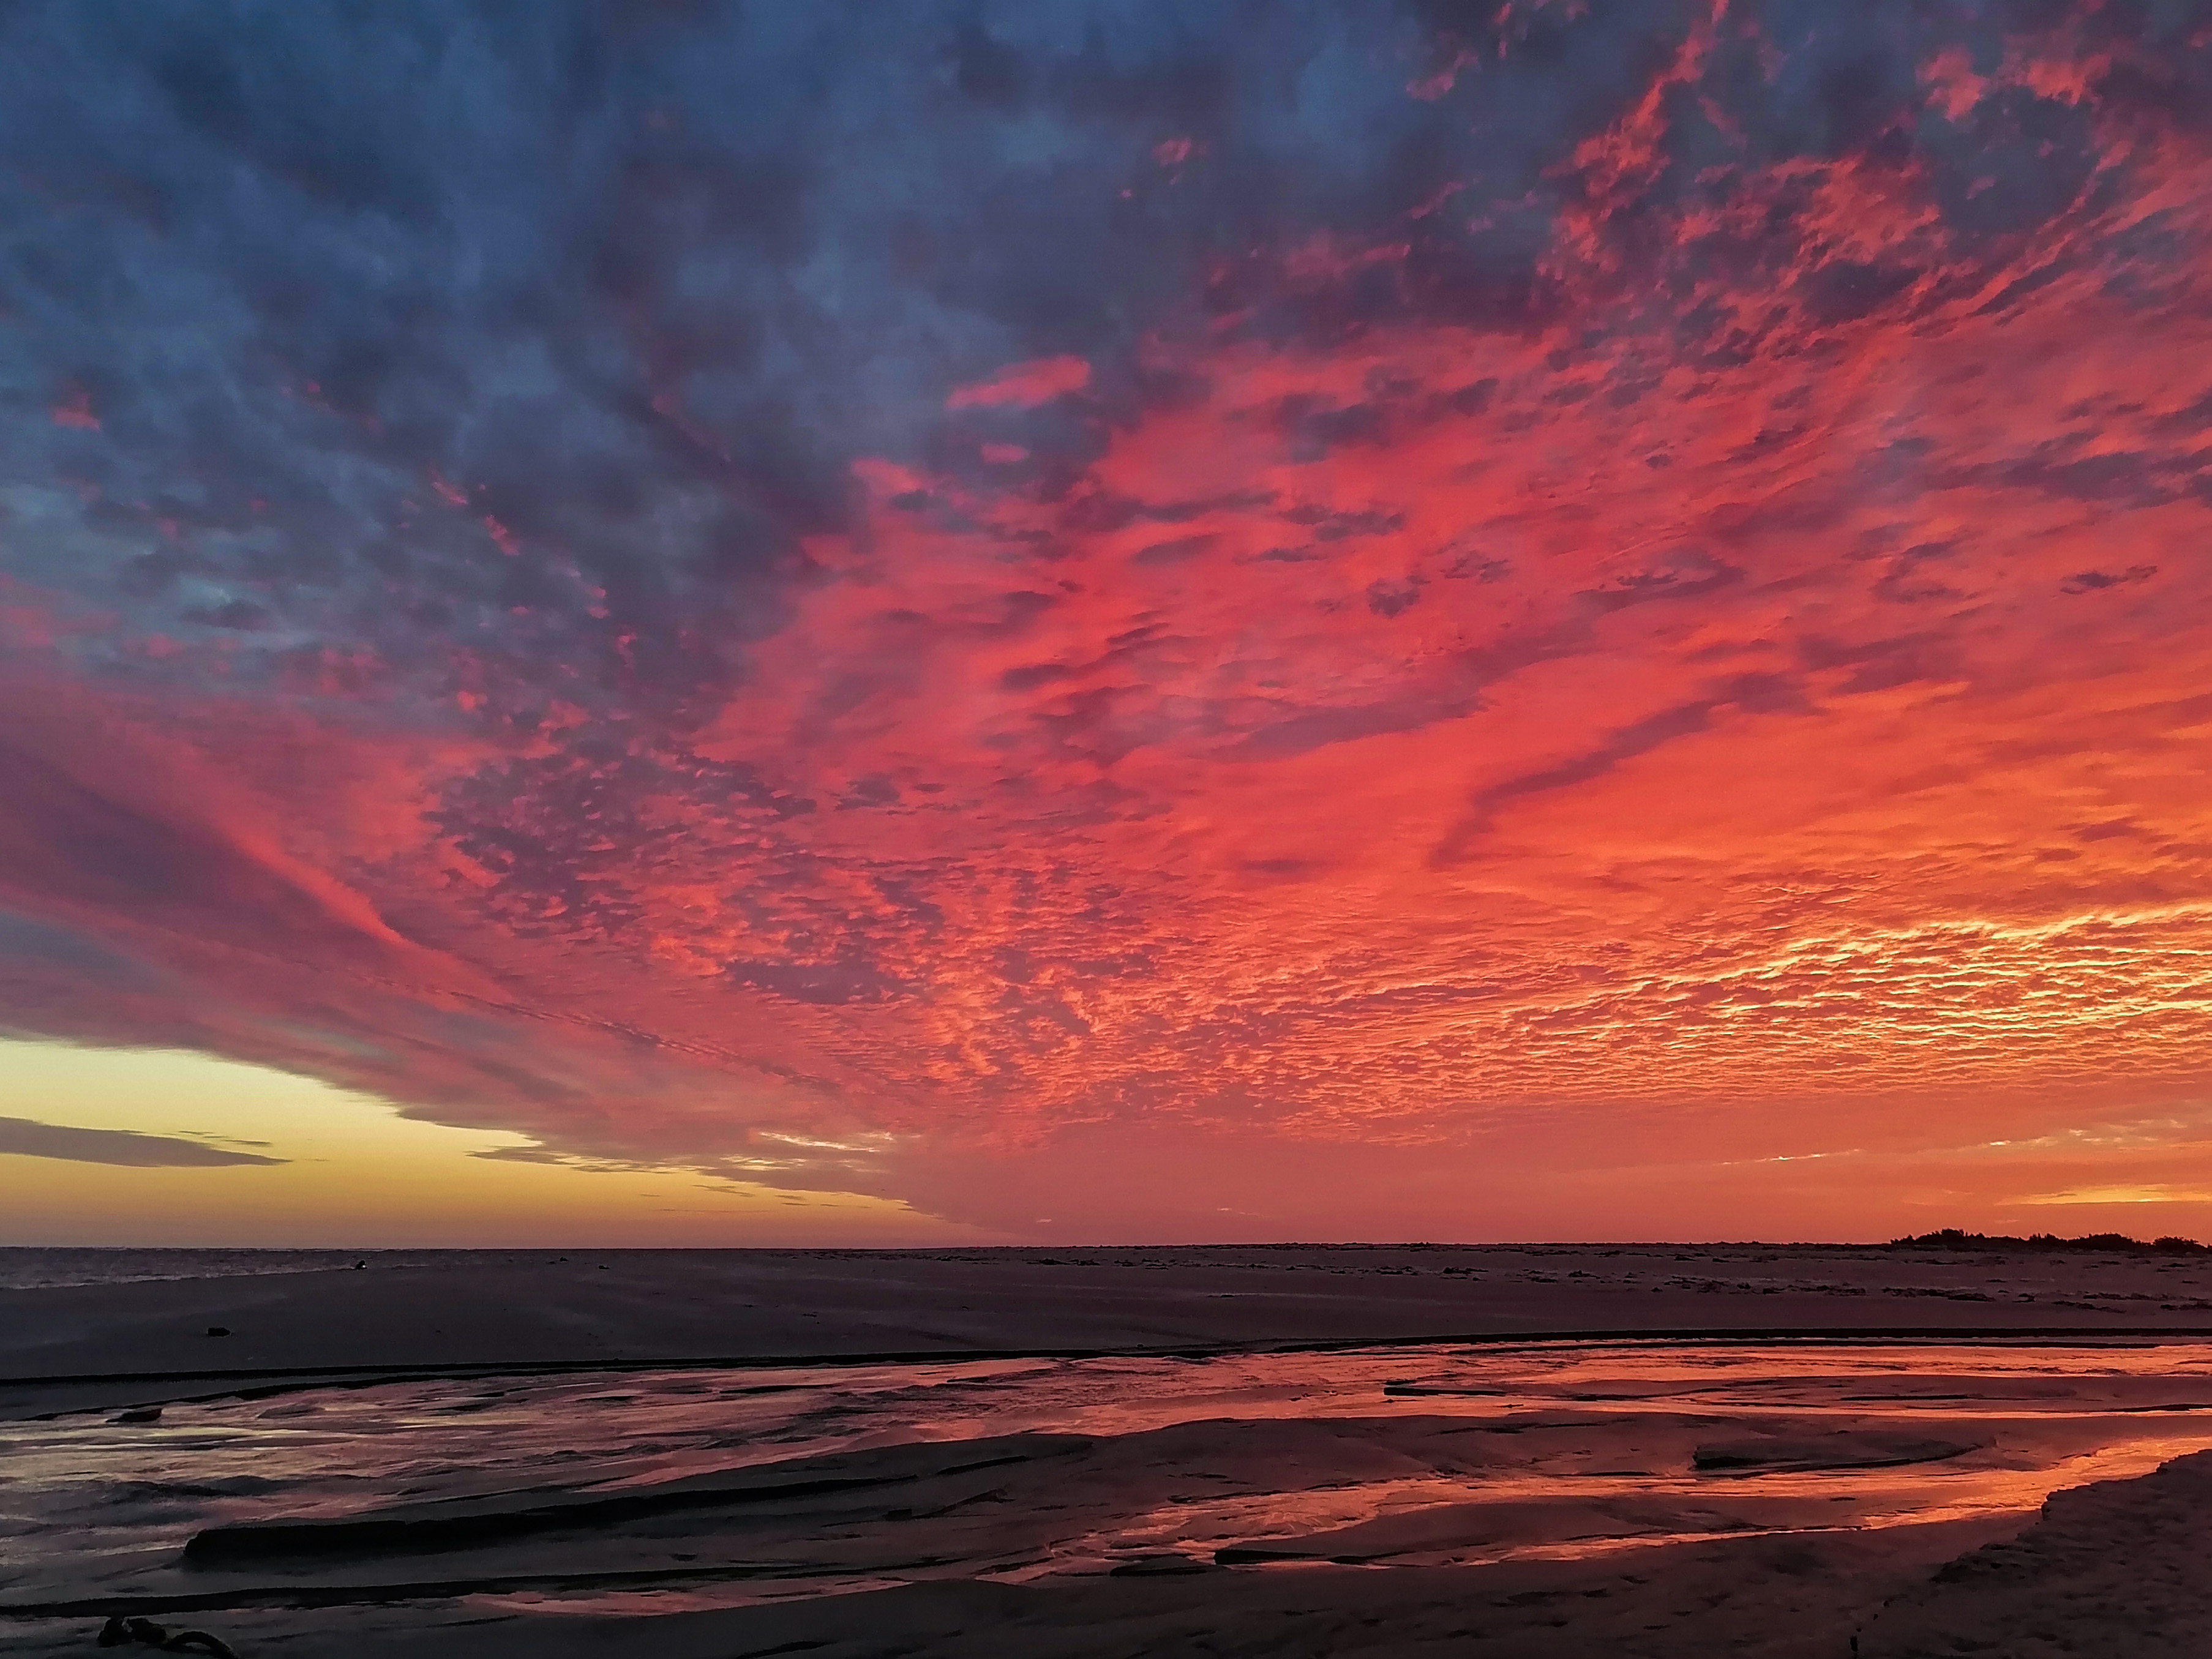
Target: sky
pixel 721 623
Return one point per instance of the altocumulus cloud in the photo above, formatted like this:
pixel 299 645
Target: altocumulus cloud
pixel 715 585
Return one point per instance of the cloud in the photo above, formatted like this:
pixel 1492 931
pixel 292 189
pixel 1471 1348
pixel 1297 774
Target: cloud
pixel 715 585
pixel 21 1136
pixel 1024 386
pixel 2156 1193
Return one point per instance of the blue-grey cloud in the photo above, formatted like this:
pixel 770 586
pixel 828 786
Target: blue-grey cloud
pixel 388 341
pixel 25 1138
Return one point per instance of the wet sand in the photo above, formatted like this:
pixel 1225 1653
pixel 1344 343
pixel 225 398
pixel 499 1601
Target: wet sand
pixel 1510 1497
pixel 647 1306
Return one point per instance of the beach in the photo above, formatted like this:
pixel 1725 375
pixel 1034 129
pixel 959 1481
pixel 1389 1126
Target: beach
pixel 583 1308
pixel 1285 1450
pixel 1660 1450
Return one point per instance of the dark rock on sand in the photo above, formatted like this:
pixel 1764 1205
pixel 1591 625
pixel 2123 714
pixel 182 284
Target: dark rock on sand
pixel 119 1631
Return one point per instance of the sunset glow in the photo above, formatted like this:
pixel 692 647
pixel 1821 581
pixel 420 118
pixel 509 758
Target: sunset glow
pixel 1064 620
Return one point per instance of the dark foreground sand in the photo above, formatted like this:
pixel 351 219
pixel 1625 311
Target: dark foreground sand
pixel 1735 1547
pixel 2115 1570
pixel 1748 1598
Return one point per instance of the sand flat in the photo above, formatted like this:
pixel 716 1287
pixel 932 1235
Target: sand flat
pixel 569 1474
pixel 639 1307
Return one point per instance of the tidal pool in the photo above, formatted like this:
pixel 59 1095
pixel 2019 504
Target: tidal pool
pixel 692 1488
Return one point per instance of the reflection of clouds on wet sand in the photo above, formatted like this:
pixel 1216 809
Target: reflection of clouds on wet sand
pixel 735 1490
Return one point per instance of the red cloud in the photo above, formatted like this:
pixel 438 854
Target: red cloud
pixel 75 410
pixel 1024 386
pixel 1751 702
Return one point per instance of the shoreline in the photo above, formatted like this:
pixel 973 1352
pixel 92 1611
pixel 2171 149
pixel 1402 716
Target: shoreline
pixel 1715 1336
pixel 79 1346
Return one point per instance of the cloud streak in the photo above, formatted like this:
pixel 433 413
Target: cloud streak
pixel 21 1136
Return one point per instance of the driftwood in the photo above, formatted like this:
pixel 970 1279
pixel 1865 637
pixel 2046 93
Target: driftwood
pixel 119 1631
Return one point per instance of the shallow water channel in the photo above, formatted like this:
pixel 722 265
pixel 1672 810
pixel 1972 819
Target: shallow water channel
pixel 1023 1469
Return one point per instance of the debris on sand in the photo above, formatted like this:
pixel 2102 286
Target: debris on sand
pixel 119 1631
